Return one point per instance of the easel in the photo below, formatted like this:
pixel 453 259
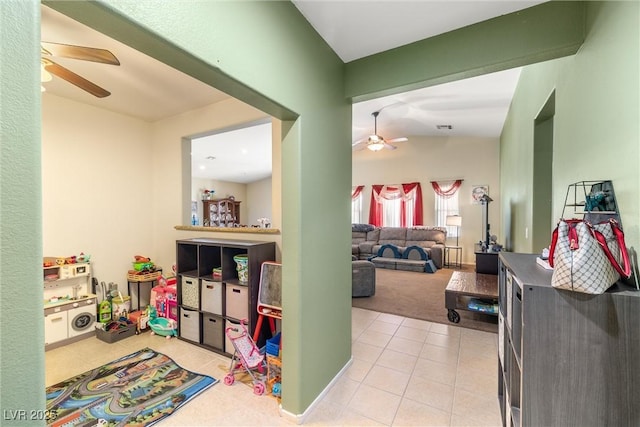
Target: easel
pixel 269 297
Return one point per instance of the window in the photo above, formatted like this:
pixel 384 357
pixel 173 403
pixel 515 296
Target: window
pixel 356 204
pixel 446 203
pixel 396 205
pixel 391 212
pixel 446 206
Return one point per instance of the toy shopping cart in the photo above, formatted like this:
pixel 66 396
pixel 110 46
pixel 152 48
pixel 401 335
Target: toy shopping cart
pixel 247 357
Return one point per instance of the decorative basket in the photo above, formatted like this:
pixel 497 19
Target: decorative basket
pixel 138 276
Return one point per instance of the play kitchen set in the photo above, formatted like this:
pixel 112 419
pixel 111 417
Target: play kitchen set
pixel 69 307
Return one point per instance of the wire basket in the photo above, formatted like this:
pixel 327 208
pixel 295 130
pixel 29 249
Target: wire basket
pixel 138 276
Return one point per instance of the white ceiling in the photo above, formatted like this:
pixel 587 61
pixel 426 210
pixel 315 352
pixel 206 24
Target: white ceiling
pixel 240 155
pixel 145 88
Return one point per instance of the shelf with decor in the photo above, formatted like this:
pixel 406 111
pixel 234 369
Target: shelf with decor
pixel 595 201
pixel 221 213
pixel 214 293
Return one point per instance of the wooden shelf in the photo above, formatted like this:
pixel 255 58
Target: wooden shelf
pixel 223 213
pixel 195 261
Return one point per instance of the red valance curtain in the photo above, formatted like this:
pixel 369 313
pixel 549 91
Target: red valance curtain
pixel 410 194
pixel 375 210
pixel 446 188
pixel 355 192
pixel 417 203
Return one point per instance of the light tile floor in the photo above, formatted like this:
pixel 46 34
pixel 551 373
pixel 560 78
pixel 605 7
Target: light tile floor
pixel 405 372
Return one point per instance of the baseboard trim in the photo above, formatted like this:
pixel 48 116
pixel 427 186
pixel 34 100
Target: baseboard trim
pixel 300 418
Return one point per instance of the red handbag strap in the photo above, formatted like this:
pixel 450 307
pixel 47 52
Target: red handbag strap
pixel 552 248
pixel 571 235
pixel 623 271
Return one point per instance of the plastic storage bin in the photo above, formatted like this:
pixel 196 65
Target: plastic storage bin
pixel 273 345
pixel 237 302
pixel 189 325
pixel 213 330
pixel 116 334
pixel 211 297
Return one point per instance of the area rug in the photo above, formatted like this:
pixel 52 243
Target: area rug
pixel 420 296
pixel 136 390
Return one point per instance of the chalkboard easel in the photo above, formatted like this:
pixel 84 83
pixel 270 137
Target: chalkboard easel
pixel 269 296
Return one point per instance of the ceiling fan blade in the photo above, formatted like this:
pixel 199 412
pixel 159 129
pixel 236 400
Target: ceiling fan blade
pixel 358 147
pixel 360 141
pixel 73 78
pixel 83 53
pixel 389 146
pixel 401 139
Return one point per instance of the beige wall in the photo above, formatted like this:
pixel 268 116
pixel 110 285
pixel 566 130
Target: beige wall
pixel 84 148
pixel 170 171
pixel 137 167
pixel 259 195
pixel 222 190
pixel 426 159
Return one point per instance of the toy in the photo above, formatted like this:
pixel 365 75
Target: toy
pixel 140 258
pixel 276 390
pixel 83 257
pixel 140 318
pixel 105 311
pixel 246 355
pixel 160 325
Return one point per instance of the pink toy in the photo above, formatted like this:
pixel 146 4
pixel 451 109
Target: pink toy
pixel 246 355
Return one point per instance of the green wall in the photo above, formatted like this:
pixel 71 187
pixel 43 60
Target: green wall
pixel 270 49
pixel 550 30
pixel 263 53
pixel 21 324
pixel 596 130
pixel 266 54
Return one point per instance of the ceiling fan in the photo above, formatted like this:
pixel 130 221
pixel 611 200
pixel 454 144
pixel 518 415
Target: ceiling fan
pixel 375 142
pixel 83 53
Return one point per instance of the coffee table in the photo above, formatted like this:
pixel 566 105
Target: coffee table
pixel 464 285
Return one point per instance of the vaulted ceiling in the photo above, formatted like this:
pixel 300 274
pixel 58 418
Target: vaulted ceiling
pixel 150 90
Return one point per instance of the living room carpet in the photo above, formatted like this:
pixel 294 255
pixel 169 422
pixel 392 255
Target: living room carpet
pixel 420 296
pixel 136 390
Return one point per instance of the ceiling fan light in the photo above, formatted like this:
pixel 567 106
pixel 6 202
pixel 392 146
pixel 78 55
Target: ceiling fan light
pixel 45 76
pixel 375 146
pixel 42 89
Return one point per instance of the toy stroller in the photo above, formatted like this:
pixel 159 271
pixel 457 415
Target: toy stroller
pixel 247 356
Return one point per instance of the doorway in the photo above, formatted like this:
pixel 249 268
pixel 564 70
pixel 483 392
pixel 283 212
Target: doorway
pixel 542 220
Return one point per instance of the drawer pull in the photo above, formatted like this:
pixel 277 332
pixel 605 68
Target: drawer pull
pixel 57 319
pixel 209 286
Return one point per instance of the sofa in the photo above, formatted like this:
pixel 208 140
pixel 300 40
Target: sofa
pixel 363 278
pixel 367 241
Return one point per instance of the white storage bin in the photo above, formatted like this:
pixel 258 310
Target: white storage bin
pixel 211 297
pixel 190 292
pixel 189 325
pixel 237 303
